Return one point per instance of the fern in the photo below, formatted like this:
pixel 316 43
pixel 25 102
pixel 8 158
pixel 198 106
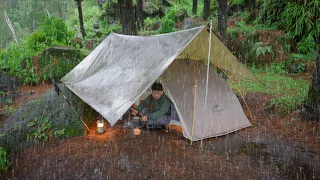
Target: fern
pixel 260 48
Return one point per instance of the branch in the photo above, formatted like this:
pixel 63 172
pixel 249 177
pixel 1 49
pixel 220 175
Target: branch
pixel 10 26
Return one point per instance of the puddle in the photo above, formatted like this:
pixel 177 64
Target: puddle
pixel 284 160
pixel 227 146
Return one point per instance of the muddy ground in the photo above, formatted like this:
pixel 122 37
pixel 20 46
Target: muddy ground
pixel 274 148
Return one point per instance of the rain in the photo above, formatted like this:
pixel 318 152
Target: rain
pixel 159 89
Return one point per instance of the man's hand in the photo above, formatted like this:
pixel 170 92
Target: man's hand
pixel 144 118
pixel 135 112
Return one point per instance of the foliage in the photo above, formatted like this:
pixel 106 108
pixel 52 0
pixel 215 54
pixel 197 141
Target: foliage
pixel 149 23
pixel 307 57
pixel 25 16
pixel 9 101
pixel 245 28
pixel 260 48
pixel 298 19
pixel 92 16
pixel 166 26
pixel 42 130
pixel 236 1
pixel 273 69
pixel 17 58
pixel 28 73
pixel 233 33
pixel 107 29
pixel 168 21
pixel 52 31
pixel 295 18
pixel 259 26
pixel 8 110
pixel 306 45
pixel 71 132
pixel 245 16
pixel 288 93
pixel 277 68
pixel 4 162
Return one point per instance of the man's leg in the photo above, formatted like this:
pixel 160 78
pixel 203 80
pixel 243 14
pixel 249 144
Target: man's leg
pixel 158 123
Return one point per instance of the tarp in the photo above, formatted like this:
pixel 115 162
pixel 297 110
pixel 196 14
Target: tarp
pixel 114 75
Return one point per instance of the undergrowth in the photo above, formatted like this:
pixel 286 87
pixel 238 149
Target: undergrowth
pixel 288 93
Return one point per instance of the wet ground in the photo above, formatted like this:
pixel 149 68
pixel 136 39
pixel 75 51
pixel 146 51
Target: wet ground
pixel 275 148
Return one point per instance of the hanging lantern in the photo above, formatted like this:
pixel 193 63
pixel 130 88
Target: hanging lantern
pixel 100 126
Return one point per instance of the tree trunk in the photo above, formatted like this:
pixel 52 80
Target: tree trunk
pixel 206 9
pixel 222 20
pixel 139 14
pixel 127 17
pixel 194 6
pixel 313 101
pixel 60 11
pixel 83 32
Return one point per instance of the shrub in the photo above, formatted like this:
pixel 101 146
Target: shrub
pixel 306 45
pixel 52 31
pixel 42 130
pixel 4 163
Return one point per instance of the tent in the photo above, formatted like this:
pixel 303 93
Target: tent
pixel 121 68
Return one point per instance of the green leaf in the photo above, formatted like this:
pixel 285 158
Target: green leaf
pixel 31 123
pixel 59 133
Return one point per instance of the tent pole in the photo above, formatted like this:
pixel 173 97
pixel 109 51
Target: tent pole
pixel 207 82
pixel 194 97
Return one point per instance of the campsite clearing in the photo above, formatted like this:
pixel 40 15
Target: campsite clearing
pixel 118 154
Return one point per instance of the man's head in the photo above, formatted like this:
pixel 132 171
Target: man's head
pixel 157 91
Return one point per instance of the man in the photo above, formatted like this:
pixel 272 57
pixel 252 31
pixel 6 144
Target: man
pixel 159 114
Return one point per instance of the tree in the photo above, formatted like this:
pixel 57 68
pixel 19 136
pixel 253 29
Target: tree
pixel 222 20
pixel 127 17
pixel 140 13
pixel 313 101
pixel 194 6
pixel 83 32
pixel 206 9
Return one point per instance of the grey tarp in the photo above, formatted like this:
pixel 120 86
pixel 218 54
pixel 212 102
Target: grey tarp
pixel 223 113
pixel 113 76
pixel 122 67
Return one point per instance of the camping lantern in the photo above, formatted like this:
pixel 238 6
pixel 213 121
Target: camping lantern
pixel 100 126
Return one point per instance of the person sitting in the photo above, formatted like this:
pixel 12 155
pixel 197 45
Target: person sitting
pixel 160 111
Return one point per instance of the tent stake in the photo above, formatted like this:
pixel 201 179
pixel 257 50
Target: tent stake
pixel 207 82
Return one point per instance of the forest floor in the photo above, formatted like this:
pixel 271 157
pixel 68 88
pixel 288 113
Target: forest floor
pixel 274 147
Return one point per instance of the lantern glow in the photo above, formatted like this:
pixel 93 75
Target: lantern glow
pixel 100 126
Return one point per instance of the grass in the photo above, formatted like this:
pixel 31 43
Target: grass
pixel 71 132
pixel 288 93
